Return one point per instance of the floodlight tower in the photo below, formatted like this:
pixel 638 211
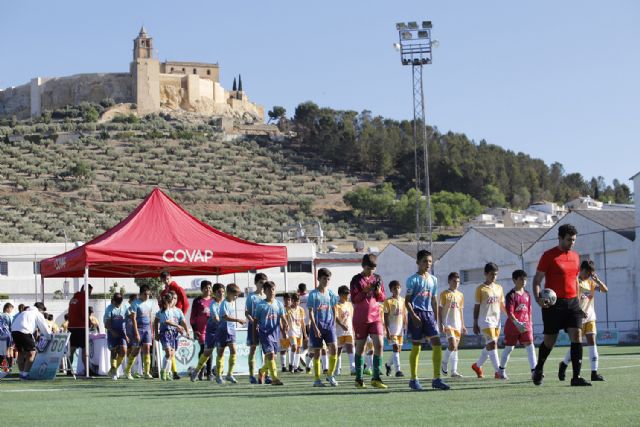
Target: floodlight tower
pixel 415 50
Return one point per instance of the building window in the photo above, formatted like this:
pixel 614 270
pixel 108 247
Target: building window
pixel 208 72
pixel 299 267
pixel 4 268
pixel 36 268
pixel 475 275
pixel 171 69
pixel 194 71
pixel 183 70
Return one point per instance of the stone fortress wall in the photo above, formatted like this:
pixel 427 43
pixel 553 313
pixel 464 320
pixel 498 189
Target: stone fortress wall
pixel 151 85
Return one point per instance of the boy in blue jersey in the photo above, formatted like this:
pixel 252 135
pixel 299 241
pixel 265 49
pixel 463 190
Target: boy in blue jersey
pixel 253 299
pixel 322 305
pixel 212 327
pixel 140 334
pixel 168 324
pixel 114 321
pixel 422 309
pixel 226 334
pixel 270 317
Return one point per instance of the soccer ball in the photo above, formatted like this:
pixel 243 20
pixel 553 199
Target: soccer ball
pixel 549 295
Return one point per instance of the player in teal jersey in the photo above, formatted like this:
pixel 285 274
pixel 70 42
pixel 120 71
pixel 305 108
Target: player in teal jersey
pixel 168 324
pixel 270 317
pixel 117 340
pixel 141 335
pixel 252 301
pixel 226 334
pixel 212 327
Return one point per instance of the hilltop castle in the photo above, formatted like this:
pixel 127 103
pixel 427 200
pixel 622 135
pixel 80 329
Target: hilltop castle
pixel 150 84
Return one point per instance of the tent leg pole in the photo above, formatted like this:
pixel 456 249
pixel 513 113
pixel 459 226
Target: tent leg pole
pixel 86 322
pixel 286 281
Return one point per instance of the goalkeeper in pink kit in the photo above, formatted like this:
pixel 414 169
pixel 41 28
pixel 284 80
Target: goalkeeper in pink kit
pixel 519 325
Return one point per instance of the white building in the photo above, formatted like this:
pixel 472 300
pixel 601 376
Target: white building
pixel 582 203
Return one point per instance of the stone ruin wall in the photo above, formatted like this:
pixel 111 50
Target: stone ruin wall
pixel 16 101
pixel 73 90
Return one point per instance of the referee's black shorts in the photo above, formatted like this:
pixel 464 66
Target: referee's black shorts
pixel 77 337
pixel 564 314
pixel 24 342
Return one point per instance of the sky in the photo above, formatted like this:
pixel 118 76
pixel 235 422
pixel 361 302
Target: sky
pixel 558 80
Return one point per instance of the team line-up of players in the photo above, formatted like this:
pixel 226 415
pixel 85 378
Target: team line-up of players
pixel 323 325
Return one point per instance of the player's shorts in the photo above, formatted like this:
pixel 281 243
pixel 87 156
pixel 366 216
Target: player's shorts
pixel 77 337
pixel 491 334
pixel 269 343
pixel 210 337
pixel 564 314
pixel 285 343
pixel 296 341
pixel 396 339
pixel 115 341
pixel 200 336
pixel 345 339
pixel 426 328
pixel 327 336
pixel 251 339
pixel 24 342
pixel 146 337
pixel 523 338
pixel 589 327
pixel 363 330
pixel 169 339
pixel 452 332
pixel 224 338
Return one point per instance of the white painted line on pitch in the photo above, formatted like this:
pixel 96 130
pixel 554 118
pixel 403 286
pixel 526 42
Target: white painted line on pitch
pixel 27 390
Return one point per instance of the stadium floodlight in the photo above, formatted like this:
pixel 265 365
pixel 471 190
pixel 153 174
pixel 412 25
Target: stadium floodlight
pixel 415 50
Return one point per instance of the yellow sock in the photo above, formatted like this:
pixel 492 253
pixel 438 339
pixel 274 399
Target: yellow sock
pixel 174 366
pixel 333 361
pixel 147 363
pixel 130 361
pixel 436 357
pixel 316 368
pixel 113 363
pixel 203 359
pixel 413 361
pixel 119 360
pixel 272 368
pixel 220 364
pixel 232 364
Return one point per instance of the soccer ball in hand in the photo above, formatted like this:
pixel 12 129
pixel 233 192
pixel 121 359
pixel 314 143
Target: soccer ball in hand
pixel 548 295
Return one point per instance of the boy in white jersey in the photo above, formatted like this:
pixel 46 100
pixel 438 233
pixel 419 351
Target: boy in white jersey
pixel 344 328
pixel 395 322
pixel 486 318
pixel 285 342
pixel 588 284
pixel 451 305
pixel 297 332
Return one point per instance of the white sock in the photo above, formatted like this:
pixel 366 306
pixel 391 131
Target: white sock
pixel 283 359
pixel 369 359
pixel 352 360
pixel 445 358
pixel 308 358
pixel 493 356
pixel 325 362
pixel 567 358
pixel 593 357
pixel 296 360
pixel 339 363
pixel 167 365
pixel 454 361
pixel 531 355
pixel 483 357
pixel 396 360
pixel 291 353
pixel 505 356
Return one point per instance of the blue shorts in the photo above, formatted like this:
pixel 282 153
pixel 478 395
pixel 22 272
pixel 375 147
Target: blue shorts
pixel 169 339
pixel 224 338
pixel 270 343
pixel 116 341
pixel 426 328
pixel 210 336
pixel 145 336
pixel 250 338
pixel 327 335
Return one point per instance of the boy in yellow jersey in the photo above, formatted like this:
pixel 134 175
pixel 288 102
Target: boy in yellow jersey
pixel 486 318
pixel 297 331
pixel 344 328
pixel 452 322
pixel 395 320
pixel 588 284
pixel 285 342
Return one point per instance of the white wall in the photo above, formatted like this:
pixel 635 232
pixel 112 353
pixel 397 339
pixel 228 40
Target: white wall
pixel 393 264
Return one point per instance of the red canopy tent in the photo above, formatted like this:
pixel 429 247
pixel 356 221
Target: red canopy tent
pixel 159 235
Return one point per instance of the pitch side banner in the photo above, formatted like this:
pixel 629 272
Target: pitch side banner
pixel 48 357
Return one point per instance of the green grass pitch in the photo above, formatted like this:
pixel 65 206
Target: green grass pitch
pixel 471 401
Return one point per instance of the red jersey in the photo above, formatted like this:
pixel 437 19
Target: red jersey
pixel 200 316
pixel 366 307
pixel 560 270
pixel 183 302
pixel 518 305
pixel 76 310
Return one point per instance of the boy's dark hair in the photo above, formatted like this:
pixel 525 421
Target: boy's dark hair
pixel 588 266
pixel 132 297
pixel 324 272
pixel 166 300
pixel 232 289
pixel 204 284
pixel 7 306
pixel 343 290
pixel 66 316
pixel 49 316
pixel 217 286
pixel 423 253
pixel 369 260
pixel 453 275
pixel 21 308
pixel 164 275
pixel 490 267
pixel 295 297
pixel 393 284
pixel 144 288
pixel 518 274
pixel 286 296
pixel 567 229
pixel 269 285
pixel 259 277
pixel 302 287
